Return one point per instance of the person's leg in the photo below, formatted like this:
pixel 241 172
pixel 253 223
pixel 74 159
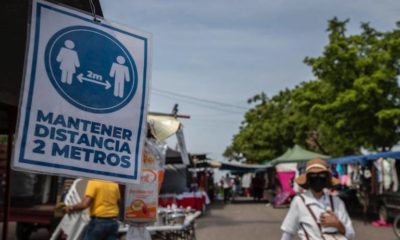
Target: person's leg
pixel 64 76
pixel 69 77
pixel 90 230
pixel 112 230
pixel 121 89
pixel 116 87
pixel 99 229
pixel 226 190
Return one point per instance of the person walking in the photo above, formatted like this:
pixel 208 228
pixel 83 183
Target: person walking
pixel 227 185
pixel 258 187
pixel 102 197
pixel 315 214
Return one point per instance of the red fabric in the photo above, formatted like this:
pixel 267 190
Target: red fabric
pixel 165 201
pixel 195 202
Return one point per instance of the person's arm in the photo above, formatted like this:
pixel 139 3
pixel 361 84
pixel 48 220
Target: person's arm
pixel 345 220
pixel 340 220
pixel 287 236
pixel 112 70
pixel 291 223
pixel 329 219
pixel 80 206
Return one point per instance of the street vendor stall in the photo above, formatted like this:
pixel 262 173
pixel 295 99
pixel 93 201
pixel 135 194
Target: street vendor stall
pixel 184 185
pixel 370 183
pixel 287 167
pixel 192 200
pixel 171 226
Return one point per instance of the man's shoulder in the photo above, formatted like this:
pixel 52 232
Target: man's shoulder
pixel 102 184
pixel 100 181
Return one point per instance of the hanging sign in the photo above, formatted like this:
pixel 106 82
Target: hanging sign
pixel 84 100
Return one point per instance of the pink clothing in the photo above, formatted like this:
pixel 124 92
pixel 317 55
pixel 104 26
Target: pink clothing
pixel 345 180
pixel 285 179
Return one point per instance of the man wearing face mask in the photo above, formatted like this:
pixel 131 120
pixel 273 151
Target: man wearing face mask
pixel 314 214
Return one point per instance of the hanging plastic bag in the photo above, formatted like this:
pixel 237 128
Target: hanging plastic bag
pixel 141 200
pixel 158 150
pixel 138 232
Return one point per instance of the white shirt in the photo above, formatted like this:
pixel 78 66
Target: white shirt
pixel 299 214
pixel 246 180
pixel 227 182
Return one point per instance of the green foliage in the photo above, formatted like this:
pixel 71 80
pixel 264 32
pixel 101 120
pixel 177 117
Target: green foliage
pixel 354 101
pixel 362 71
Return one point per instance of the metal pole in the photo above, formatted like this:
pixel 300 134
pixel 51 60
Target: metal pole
pixel 11 125
pixel 169 114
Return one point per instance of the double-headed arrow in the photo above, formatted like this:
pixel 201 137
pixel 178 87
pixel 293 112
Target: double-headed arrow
pixel 81 78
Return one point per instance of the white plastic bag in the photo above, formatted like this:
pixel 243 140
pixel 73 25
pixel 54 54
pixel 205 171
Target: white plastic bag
pixel 138 233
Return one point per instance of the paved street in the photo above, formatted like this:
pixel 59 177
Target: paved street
pixel 256 221
pixel 248 221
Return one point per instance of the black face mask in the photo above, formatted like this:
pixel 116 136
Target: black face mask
pixel 318 182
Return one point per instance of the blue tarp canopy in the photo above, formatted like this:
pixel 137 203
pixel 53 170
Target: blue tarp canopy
pixel 395 155
pixel 355 159
pixel 362 159
pixel 241 167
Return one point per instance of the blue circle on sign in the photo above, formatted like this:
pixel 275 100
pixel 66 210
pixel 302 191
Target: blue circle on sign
pixel 91 69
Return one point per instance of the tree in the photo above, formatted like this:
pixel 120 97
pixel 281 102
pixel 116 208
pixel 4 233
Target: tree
pixel 362 93
pixel 266 131
pixel 354 101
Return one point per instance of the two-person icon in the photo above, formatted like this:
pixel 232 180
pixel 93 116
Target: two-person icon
pixel 69 62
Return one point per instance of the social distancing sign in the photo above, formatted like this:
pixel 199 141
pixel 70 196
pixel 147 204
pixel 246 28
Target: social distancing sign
pixel 84 99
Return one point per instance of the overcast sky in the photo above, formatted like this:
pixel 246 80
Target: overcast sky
pixel 217 54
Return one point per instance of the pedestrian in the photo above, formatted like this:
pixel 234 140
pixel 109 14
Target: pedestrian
pixel 227 184
pixel 220 194
pixel 258 183
pixel 238 186
pixel 314 214
pixel 102 197
pixel 246 184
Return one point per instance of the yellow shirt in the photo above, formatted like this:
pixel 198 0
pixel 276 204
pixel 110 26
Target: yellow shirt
pixel 105 196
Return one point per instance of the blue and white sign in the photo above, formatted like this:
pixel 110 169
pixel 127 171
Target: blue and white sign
pixel 99 64
pixel 84 99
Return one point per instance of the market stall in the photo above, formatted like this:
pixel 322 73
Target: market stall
pixel 173 225
pixel 184 185
pixel 193 200
pixel 287 167
pixel 370 183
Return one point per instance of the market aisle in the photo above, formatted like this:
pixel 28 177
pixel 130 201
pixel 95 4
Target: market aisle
pixel 246 221
pixel 239 221
pixel 256 221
